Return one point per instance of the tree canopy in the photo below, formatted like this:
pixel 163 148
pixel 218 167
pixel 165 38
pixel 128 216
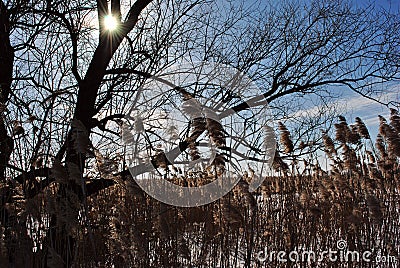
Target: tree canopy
pixel 68 80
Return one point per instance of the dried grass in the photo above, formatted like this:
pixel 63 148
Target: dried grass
pixel 356 200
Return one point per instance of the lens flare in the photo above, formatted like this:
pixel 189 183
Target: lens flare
pixel 110 23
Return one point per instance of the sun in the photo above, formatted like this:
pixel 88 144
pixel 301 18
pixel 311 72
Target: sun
pixel 110 22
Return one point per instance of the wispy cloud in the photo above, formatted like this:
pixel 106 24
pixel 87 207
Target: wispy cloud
pixel 353 105
pixel 368 109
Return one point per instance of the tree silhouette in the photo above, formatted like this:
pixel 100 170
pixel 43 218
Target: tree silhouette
pixel 67 83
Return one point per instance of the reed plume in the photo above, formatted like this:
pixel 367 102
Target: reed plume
pixel 285 138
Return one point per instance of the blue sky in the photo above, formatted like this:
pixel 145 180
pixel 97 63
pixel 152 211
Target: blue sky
pixel 392 5
pixel 368 110
pixel 353 105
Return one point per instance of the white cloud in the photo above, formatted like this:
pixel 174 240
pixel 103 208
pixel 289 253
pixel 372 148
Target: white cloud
pixel 356 105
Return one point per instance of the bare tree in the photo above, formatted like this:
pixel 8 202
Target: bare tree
pixel 59 62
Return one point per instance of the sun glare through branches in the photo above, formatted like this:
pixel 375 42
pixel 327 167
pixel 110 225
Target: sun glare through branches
pixel 110 23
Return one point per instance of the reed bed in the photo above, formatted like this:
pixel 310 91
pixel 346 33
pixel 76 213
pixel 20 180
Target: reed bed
pixel 302 207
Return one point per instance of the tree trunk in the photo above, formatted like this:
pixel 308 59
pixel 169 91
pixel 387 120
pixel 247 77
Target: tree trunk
pixel 18 245
pixel 6 67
